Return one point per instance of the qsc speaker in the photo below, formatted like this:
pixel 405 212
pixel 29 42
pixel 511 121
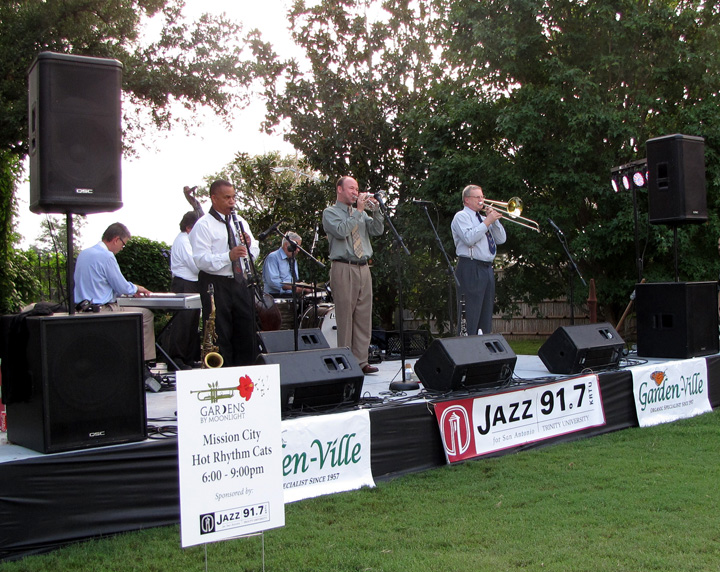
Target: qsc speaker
pixel 676 179
pixel 75 134
pixel 317 379
pixel 466 362
pixel 571 349
pixel 677 319
pixel 284 340
pixel 85 383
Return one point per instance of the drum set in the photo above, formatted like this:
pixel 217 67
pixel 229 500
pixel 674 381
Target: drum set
pixel 313 310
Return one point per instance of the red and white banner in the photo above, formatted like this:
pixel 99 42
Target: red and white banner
pixel 473 427
pixel 671 390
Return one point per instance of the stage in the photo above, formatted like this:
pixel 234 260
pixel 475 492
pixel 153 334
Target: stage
pixel 48 500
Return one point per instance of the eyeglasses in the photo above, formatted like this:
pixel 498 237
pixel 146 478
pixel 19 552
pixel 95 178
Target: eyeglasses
pixel 475 197
pixel 121 240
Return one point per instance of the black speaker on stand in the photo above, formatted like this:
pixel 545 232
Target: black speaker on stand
pixel 571 349
pixel 466 362
pixel 75 134
pixel 676 179
pixel 84 383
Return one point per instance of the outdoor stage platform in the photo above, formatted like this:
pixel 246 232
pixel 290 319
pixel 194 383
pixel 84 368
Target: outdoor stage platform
pixel 47 500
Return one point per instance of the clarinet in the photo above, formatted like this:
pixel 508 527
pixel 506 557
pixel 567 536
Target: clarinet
pixel 249 264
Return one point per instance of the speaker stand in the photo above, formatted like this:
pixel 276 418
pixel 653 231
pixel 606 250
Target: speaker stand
pixel 70 265
pixel 675 252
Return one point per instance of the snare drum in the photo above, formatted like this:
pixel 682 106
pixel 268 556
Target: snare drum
pixel 325 320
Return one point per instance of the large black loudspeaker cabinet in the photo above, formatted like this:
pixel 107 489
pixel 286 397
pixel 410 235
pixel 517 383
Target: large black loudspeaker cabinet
pixel 676 179
pixel 284 340
pixel 572 349
pixel 317 379
pixel 466 362
pixel 677 319
pixel 75 134
pixel 86 382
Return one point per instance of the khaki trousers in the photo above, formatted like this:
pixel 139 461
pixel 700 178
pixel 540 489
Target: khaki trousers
pixel 352 293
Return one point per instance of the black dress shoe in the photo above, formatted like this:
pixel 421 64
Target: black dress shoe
pixel 369 369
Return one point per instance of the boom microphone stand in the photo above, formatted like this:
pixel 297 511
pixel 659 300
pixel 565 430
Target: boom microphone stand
pixel 398 244
pixel 450 268
pixel 561 237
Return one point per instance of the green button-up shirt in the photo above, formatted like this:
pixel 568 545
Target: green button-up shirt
pixel 339 223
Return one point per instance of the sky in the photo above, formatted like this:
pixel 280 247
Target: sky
pixel 152 183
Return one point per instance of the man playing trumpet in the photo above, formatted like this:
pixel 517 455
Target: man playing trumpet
pixel 476 238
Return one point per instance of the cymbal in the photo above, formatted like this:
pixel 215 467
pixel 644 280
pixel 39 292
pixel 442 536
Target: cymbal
pixel 305 285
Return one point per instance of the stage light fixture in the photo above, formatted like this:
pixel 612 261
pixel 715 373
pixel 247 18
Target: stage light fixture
pixel 639 179
pixel 615 185
pixel 626 181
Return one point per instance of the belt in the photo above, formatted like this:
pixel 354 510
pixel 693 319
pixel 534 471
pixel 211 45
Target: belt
pixel 352 262
pixel 480 262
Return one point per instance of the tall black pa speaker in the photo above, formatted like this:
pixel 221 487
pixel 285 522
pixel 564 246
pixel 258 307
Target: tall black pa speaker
pixel 677 319
pixel 466 362
pixel 316 379
pixel 571 349
pixel 284 340
pixel 86 383
pixel 676 179
pixel 75 134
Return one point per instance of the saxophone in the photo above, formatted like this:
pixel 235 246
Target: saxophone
pixel 210 357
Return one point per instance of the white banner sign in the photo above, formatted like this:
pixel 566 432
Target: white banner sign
pixel 477 426
pixel 671 390
pixel 230 452
pixel 326 454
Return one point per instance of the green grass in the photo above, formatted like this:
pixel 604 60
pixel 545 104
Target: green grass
pixel 635 500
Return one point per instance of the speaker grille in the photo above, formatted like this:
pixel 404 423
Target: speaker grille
pixel 87 383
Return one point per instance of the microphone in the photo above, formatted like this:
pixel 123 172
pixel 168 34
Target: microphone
pixel 273 227
pixel 379 198
pixel 556 227
pixel 422 203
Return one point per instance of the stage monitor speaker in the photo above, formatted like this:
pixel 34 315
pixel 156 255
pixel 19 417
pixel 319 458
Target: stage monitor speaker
pixel 86 383
pixel 572 349
pixel 317 379
pixel 466 362
pixel 677 319
pixel 75 134
pixel 284 340
pixel 676 179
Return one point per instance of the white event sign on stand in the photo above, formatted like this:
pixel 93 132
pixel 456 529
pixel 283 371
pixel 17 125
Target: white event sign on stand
pixel 229 452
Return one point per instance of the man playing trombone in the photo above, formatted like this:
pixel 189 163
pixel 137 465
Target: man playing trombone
pixel 476 238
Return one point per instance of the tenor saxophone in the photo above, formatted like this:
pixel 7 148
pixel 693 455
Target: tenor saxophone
pixel 210 354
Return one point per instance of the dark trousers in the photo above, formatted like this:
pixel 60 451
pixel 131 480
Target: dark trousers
pixel 477 285
pixel 234 318
pixel 181 338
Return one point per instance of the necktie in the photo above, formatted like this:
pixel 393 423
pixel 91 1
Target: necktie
pixel 489 236
pixel 356 240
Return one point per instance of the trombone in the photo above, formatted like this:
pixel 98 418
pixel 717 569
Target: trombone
pixel 512 209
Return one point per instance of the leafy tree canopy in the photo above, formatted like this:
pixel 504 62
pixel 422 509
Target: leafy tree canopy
pixel 527 98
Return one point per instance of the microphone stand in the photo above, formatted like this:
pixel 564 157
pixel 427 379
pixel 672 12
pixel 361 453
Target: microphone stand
pixel 573 266
pixel 403 384
pixel 293 278
pixel 450 271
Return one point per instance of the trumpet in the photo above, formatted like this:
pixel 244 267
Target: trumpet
pixel 512 209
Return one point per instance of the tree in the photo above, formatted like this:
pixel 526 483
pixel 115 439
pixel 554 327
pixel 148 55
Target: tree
pixel 202 64
pixel 527 98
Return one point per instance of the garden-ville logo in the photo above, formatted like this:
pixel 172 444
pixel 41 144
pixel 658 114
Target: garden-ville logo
pixel 456 430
